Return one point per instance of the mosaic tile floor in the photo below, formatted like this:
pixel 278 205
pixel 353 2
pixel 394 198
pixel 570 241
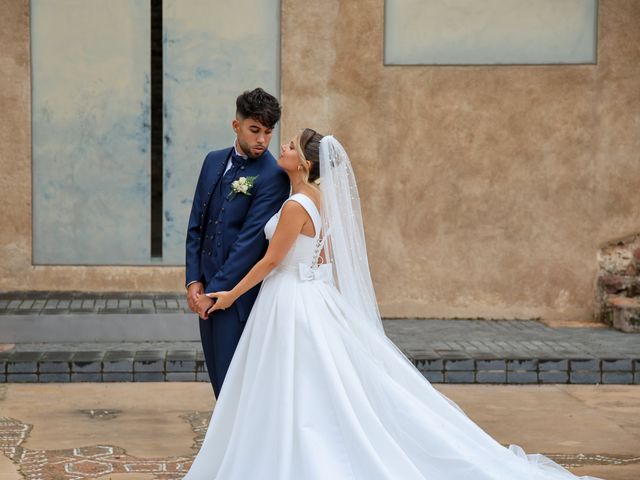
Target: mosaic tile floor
pixel 92 461
pixel 101 461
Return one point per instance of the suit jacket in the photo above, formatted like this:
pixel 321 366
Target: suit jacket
pixel 241 220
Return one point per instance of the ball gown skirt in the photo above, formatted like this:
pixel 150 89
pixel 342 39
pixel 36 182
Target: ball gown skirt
pixel 304 399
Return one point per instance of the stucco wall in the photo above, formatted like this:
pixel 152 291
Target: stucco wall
pixel 486 191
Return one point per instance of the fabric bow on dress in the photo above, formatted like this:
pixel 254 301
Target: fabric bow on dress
pixel 322 272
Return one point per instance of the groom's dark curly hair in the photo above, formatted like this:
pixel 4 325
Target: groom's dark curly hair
pixel 260 106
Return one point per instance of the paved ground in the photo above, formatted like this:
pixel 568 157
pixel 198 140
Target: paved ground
pixel 54 428
pixel 153 430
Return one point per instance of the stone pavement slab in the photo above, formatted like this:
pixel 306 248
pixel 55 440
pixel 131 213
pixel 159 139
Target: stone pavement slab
pixel 75 303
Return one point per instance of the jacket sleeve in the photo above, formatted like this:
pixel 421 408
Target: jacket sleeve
pixel 193 245
pixel 248 247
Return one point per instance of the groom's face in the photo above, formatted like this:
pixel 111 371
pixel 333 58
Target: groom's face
pixel 253 136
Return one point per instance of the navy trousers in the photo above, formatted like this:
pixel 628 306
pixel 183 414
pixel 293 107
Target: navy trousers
pixel 220 334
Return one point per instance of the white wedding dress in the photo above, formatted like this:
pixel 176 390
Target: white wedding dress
pixel 304 399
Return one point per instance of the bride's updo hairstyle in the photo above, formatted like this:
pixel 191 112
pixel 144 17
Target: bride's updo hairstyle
pixel 308 147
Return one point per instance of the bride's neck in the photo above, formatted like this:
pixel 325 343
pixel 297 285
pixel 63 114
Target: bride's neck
pixel 297 185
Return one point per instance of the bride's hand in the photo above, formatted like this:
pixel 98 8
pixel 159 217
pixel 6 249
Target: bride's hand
pixel 223 300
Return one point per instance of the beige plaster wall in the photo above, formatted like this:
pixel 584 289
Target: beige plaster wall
pixel 486 191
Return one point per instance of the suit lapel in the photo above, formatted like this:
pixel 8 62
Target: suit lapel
pixel 216 175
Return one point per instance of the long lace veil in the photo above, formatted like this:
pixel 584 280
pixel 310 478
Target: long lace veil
pixel 344 243
pixel 344 247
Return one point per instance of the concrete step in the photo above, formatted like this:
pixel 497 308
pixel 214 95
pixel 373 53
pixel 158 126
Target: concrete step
pixel 115 363
pixel 96 317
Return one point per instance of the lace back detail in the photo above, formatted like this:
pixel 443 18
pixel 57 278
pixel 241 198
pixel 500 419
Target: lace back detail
pixel 319 245
pixel 319 241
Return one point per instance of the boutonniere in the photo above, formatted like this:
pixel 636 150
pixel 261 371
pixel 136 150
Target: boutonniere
pixel 241 185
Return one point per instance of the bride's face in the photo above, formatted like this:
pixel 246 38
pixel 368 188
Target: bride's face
pixel 289 158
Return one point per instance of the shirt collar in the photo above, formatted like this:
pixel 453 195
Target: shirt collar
pixel 235 149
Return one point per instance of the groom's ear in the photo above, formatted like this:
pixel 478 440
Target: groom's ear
pixel 235 124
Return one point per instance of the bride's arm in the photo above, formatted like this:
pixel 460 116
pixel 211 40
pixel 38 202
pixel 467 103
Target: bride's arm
pixel 292 218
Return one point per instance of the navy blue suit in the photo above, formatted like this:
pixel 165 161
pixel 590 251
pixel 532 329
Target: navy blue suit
pixel 225 239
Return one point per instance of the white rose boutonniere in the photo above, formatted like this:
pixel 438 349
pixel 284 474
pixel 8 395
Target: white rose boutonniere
pixel 242 185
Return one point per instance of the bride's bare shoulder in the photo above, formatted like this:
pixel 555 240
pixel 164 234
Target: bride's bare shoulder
pixel 316 197
pixel 292 207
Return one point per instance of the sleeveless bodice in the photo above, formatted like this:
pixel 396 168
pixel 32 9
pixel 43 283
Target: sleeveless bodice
pixel 303 255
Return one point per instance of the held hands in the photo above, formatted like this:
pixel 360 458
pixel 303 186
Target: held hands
pixel 224 300
pixel 202 304
pixel 198 302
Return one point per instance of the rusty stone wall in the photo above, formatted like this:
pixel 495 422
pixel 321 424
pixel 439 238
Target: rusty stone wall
pixel 619 284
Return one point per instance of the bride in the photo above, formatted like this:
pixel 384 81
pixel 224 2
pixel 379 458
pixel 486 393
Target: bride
pixel 315 389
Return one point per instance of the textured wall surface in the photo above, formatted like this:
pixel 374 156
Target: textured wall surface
pixel 489 32
pixel 90 94
pixel 91 101
pixel 17 269
pixel 213 51
pixel 487 191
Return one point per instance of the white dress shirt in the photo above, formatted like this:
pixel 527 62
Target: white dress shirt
pixel 235 148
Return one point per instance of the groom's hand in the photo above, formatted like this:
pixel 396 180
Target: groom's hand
pixel 193 292
pixel 203 303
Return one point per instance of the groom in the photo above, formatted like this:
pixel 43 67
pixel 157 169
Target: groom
pixel 225 236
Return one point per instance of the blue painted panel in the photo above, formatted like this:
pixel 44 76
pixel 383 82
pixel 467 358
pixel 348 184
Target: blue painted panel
pixel 213 51
pixel 472 32
pixel 90 114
